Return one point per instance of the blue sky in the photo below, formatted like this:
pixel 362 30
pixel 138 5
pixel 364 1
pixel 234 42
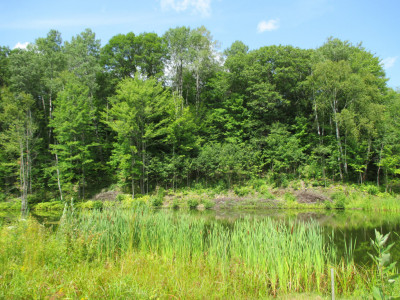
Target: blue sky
pixel 300 23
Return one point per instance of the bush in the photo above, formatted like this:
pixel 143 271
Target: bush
pixel 289 197
pixel 122 197
pixel 193 203
pixel 2 197
pixel 208 204
pixel 372 189
pixel 242 191
pixel 49 206
pixel 98 205
pixel 128 202
pixel 15 204
pixel 36 198
pixel 264 191
pixel 339 200
pixel 175 204
pixel 108 204
pixel 328 204
pixel 156 201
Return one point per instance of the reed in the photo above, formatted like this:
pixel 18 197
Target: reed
pixel 143 253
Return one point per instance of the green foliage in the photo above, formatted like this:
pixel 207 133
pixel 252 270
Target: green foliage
pixel 14 204
pixel 242 190
pixel 87 117
pixel 208 204
pixel 289 197
pixel 264 190
pixel 175 204
pixel 385 268
pixel 283 151
pixel 372 189
pixel 156 201
pixel 122 197
pixel 193 203
pixel 339 200
pixel 328 204
pixel 49 206
pixel 90 204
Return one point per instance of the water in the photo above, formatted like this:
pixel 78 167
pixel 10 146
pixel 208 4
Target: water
pixel 349 226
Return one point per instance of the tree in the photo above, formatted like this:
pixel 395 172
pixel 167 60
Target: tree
pixel 178 43
pixel 347 85
pixel 73 125
pixel 138 112
pixel 282 150
pixel 18 137
pixel 4 71
pixel 83 58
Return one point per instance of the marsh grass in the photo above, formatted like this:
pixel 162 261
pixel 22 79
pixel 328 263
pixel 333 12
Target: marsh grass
pixel 140 253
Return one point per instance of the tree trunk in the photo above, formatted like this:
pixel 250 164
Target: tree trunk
pixel 24 203
pixel 58 178
pixel 367 159
pixel 339 143
pixel 379 168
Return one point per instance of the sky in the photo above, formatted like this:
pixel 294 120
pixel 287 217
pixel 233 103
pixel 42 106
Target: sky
pixel 300 23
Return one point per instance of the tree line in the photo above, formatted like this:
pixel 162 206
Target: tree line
pixel 145 111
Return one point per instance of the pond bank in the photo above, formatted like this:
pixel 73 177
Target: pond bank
pixel 257 196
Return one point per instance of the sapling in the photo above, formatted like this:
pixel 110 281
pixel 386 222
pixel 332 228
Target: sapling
pixel 386 269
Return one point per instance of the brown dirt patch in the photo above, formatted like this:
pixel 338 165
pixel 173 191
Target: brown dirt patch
pixel 310 197
pixel 106 196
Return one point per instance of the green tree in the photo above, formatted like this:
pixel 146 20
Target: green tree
pixel 83 58
pixel 137 114
pixel 17 138
pixel 73 125
pixel 4 70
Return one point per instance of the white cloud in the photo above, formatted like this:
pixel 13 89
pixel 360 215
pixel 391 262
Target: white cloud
pixel 388 62
pixel 202 7
pixel 269 25
pixel 21 45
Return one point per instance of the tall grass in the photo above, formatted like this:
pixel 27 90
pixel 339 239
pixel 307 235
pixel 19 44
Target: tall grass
pixel 179 254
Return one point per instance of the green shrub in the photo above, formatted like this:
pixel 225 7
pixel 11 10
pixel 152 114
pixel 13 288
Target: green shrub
pixel 122 197
pixel 156 201
pixel 372 189
pixel 49 206
pixel 264 191
pixel 193 203
pixel 137 202
pixel 98 204
pixel 175 204
pixel 108 204
pixel 11 205
pixel 328 204
pixel 281 180
pixel 289 197
pixel 208 204
pixel 36 198
pixel 2 197
pixel 257 183
pixel 92 204
pixel 339 200
pixel 242 191
pixel 87 205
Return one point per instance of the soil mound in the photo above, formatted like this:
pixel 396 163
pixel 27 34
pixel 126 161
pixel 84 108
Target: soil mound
pixel 106 196
pixel 310 197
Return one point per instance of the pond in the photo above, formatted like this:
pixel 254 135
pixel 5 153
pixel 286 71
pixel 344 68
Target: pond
pixel 354 227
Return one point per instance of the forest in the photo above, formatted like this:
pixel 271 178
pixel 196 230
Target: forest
pixel 147 111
